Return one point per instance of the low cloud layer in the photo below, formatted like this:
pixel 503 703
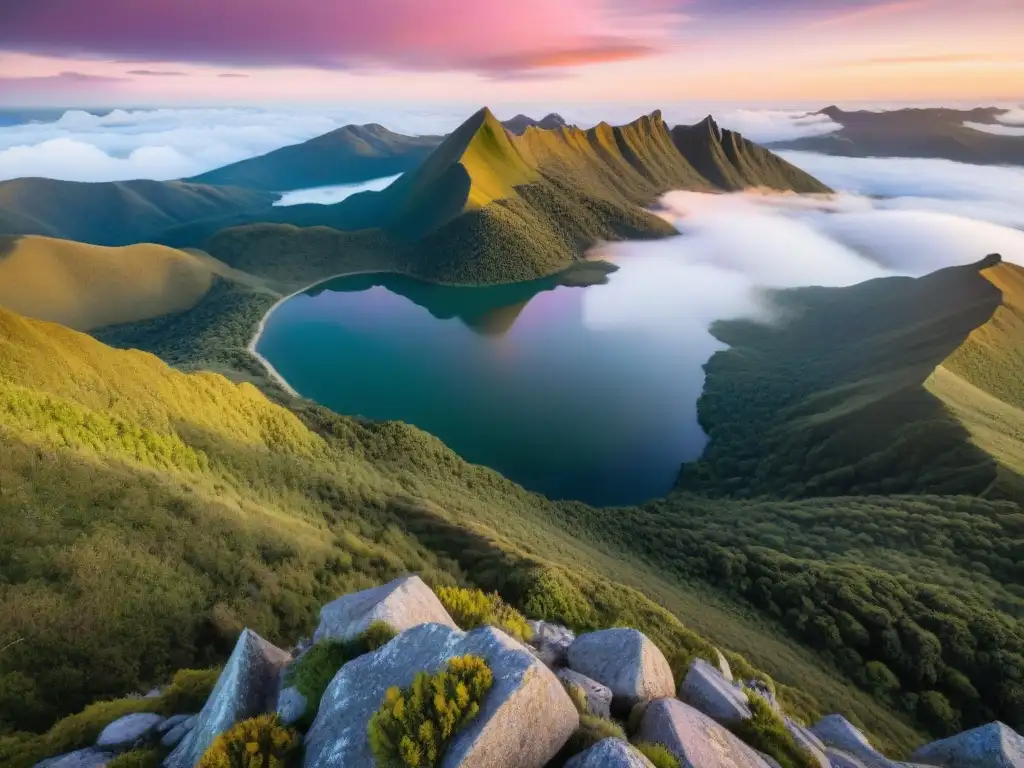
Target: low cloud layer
pixel 333 194
pixel 174 143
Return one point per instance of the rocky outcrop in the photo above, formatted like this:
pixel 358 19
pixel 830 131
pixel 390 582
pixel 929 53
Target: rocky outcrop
pixel 625 661
pixel 82 758
pixel 808 742
pixel 291 705
pixel 723 666
pixel 598 697
pixel 695 739
pixel 173 736
pixel 128 732
pixel 247 687
pixel 705 689
pixel 526 717
pixel 995 745
pixel 551 642
pixel 405 602
pixel 610 753
pixel 842 736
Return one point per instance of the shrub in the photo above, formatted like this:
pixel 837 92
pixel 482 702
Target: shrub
pixel 471 608
pixel 766 732
pixel 578 696
pixel 188 690
pixel 82 729
pixel 657 754
pixel 314 671
pixel 261 742
pixel 636 715
pixel 137 758
pixel 592 730
pixel 414 725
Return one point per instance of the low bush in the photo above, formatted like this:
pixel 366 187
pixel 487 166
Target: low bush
pixel 592 730
pixel 261 742
pixel 472 608
pixel 312 673
pixel 414 726
pixel 766 732
pixel 137 758
pixel 658 754
pixel 188 691
pixel 636 715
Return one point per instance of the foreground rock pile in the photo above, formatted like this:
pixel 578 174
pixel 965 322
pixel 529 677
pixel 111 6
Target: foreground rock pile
pixel 541 693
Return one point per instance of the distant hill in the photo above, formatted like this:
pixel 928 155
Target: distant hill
pixel 932 132
pixel 489 206
pixel 117 212
pixel 896 385
pixel 348 155
pixel 89 286
pixel 521 122
pixel 733 163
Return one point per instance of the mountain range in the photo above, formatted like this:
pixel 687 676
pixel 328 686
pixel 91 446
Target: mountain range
pixel 930 132
pixel 853 529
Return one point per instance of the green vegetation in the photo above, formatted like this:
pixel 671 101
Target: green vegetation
pixel 657 754
pixel 261 742
pixel 313 672
pixel 592 729
pixel 472 608
pixel 414 726
pixel 347 155
pixel 137 758
pixel 118 212
pixel 188 690
pixel 798 409
pixel 766 732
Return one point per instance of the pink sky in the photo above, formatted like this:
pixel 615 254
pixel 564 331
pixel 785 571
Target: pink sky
pixel 69 52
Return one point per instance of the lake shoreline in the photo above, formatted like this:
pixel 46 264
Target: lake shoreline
pixel 275 375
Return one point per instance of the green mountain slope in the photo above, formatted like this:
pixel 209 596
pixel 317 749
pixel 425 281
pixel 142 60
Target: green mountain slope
pixel 929 132
pixel 348 155
pixel 488 206
pixel 732 162
pixel 116 213
pixel 884 387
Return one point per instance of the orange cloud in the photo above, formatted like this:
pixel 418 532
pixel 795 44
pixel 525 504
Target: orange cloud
pixel 871 13
pixel 600 53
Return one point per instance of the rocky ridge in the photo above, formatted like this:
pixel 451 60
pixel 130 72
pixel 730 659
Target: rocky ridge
pixel 531 714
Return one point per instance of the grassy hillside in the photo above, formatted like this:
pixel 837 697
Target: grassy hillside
pixel 88 286
pixel 209 508
pixel 732 163
pixel 348 155
pixel 489 206
pixel 929 132
pixel 118 212
pixel 864 390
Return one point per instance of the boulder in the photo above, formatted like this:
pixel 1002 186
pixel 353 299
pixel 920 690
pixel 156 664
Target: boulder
pixel 82 758
pixel 128 732
pixel 291 705
pixel 839 759
pixel 247 687
pixel 524 721
pixel 694 738
pixel 171 722
pixel 705 689
pixel 809 742
pixel 723 666
pixel 551 642
pixel 840 734
pixel 995 745
pixel 610 753
pixel 154 693
pixel 599 697
pixel 625 661
pixel 174 736
pixel 404 603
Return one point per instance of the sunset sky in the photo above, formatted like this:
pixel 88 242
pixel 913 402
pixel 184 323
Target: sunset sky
pixel 148 52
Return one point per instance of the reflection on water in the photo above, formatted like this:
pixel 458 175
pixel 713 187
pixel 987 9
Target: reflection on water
pixel 510 376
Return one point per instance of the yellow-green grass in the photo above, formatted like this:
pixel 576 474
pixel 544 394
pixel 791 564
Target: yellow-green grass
pixel 88 286
pixel 147 514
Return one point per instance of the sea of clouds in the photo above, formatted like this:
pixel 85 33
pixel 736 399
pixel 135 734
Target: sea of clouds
pixel 178 143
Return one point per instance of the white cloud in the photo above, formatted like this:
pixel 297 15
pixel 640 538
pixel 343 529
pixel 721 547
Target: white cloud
pixel 1012 116
pixel 175 143
pixel 333 194
pixel 998 130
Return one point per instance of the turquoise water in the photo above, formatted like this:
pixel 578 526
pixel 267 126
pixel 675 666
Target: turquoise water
pixel 537 380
